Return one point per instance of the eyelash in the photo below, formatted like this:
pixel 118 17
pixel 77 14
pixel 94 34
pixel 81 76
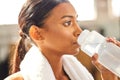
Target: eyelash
pixel 67 23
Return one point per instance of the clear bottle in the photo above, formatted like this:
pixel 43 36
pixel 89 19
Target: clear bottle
pixel 109 54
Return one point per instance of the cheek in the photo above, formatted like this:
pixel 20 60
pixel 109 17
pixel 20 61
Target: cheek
pixel 61 41
pixel 60 38
pixel 64 36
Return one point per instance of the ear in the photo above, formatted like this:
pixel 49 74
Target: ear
pixel 35 33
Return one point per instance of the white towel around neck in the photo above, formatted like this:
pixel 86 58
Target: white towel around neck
pixel 36 67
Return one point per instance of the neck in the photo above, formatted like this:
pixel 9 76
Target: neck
pixel 55 61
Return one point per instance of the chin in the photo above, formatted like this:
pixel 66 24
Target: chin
pixel 75 52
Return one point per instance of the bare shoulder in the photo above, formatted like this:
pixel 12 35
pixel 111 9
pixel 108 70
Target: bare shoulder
pixel 15 76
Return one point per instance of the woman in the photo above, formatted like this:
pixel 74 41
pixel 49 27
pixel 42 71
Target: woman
pixel 52 27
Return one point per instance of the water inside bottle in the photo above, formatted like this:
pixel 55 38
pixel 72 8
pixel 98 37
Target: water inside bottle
pixel 110 62
pixel 90 48
pixel 109 56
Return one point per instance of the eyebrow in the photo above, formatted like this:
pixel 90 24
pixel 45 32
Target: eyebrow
pixel 68 16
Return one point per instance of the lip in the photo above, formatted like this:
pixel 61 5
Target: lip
pixel 76 43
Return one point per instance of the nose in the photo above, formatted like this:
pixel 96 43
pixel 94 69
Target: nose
pixel 77 30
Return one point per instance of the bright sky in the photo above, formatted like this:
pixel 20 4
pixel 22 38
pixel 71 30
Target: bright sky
pixel 9 10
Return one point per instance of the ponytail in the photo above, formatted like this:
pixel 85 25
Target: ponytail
pixel 33 12
pixel 20 51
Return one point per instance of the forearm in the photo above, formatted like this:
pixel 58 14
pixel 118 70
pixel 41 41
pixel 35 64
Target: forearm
pixel 105 73
pixel 108 76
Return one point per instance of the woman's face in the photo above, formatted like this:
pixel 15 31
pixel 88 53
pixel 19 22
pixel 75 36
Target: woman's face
pixel 61 30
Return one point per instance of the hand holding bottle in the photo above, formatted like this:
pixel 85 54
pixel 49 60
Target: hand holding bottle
pixel 105 73
pixel 108 50
pixel 113 40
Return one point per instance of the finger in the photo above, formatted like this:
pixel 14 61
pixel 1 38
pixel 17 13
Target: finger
pixel 118 43
pixel 113 40
pixel 95 60
pixel 97 64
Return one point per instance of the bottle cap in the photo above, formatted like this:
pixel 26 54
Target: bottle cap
pixel 82 36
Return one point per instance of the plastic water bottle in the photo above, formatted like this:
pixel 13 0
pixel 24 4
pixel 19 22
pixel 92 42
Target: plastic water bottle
pixel 109 54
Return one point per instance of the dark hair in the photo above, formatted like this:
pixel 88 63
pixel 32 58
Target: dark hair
pixel 33 12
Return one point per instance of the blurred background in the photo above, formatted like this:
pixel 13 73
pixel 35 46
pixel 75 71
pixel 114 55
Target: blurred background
pixel 100 15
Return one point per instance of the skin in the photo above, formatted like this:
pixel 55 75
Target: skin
pixel 105 73
pixel 58 36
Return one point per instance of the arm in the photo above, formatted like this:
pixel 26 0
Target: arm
pixel 105 73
